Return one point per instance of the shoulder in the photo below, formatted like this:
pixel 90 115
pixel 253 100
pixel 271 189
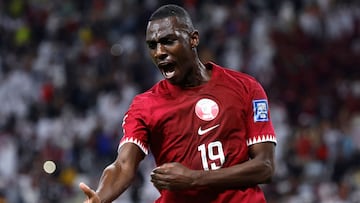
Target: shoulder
pixel 235 78
pixel 157 91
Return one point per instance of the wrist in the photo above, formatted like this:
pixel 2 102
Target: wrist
pixel 197 177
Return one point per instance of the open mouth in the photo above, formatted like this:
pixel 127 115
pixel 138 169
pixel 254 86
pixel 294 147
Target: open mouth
pixel 167 69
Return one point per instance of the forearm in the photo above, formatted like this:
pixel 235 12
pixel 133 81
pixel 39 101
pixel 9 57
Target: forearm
pixel 117 177
pixel 257 170
pixel 113 182
pixel 246 174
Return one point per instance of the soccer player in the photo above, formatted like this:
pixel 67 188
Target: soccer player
pixel 208 127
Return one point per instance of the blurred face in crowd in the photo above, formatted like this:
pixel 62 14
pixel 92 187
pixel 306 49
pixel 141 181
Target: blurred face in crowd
pixel 172 45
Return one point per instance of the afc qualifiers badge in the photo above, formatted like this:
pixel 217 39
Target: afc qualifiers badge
pixel 206 109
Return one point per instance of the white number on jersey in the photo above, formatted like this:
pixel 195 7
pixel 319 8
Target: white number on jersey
pixel 213 153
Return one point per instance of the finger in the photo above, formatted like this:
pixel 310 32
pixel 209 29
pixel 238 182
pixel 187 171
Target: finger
pixel 159 177
pixel 156 170
pixel 159 170
pixel 161 184
pixel 87 190
pixel 163 166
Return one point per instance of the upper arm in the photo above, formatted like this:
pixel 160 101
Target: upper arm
pixel 264 151
pixel 129 156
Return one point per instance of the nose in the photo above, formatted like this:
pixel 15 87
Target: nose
pixel 160 52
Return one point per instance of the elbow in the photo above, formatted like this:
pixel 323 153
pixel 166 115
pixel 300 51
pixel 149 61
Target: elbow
pixel 268 171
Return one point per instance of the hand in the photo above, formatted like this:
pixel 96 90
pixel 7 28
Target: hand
pixel 172 176
pixel 92 197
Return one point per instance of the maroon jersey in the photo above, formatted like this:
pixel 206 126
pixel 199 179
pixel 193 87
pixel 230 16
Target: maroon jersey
pixel 204 128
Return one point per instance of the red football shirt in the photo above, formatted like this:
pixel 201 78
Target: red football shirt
pixel 204 128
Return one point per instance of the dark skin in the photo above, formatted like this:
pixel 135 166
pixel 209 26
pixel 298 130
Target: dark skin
pixel 172 45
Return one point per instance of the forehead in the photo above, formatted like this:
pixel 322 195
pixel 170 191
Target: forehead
pixel 162 27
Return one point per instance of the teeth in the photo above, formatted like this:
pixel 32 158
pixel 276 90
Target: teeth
pixel 169 74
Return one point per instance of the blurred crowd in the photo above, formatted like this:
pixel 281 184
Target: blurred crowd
pixel 70 68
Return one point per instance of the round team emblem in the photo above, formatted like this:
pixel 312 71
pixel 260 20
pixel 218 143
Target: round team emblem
pixel 206 109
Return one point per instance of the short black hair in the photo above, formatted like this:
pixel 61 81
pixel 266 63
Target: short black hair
pixel 170 10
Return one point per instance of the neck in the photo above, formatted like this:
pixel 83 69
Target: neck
pixel 200 75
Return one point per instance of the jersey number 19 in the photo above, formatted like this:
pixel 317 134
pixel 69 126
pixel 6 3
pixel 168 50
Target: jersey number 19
pixel 213 154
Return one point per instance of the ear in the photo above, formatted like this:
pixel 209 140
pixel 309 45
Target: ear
pixel 194 39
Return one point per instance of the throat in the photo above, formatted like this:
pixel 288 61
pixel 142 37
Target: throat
pixel 195 81
pixel 197 76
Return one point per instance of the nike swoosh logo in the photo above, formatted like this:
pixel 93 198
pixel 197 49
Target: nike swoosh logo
pixel 202 132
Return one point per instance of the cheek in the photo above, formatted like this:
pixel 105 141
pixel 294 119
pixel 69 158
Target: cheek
pixel 185 55
pixel 182 51
pixel 151 55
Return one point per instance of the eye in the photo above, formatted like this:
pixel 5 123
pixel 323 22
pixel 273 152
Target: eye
pixel 151 45
pixel 167 41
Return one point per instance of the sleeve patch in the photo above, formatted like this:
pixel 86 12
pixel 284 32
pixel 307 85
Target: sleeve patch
pixel 260 108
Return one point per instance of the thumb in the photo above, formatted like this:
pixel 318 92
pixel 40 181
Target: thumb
pixel 87 190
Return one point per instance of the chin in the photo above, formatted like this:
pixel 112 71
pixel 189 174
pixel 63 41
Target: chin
pixel 173 81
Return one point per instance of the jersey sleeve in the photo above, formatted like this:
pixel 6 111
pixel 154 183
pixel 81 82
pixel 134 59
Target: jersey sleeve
pixel 260 128
pixel 134 126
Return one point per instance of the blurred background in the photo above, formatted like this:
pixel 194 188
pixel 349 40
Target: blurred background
pixel 70 68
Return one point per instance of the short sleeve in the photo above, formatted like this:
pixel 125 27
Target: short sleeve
pixel 135 126
pixel 259 124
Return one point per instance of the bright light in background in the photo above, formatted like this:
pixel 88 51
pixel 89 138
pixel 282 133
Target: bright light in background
pixel 49 167
pixel 116 50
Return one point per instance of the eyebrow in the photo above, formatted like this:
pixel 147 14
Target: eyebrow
pixel 162 38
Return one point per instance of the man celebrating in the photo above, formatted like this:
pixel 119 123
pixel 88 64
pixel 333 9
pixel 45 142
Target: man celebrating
pixel 208 127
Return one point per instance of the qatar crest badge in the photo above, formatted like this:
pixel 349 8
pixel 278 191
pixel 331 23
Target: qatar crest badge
pixel 260 108
pixel 206 109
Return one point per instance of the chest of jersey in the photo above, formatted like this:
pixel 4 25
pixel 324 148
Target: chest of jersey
pixel 202 129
